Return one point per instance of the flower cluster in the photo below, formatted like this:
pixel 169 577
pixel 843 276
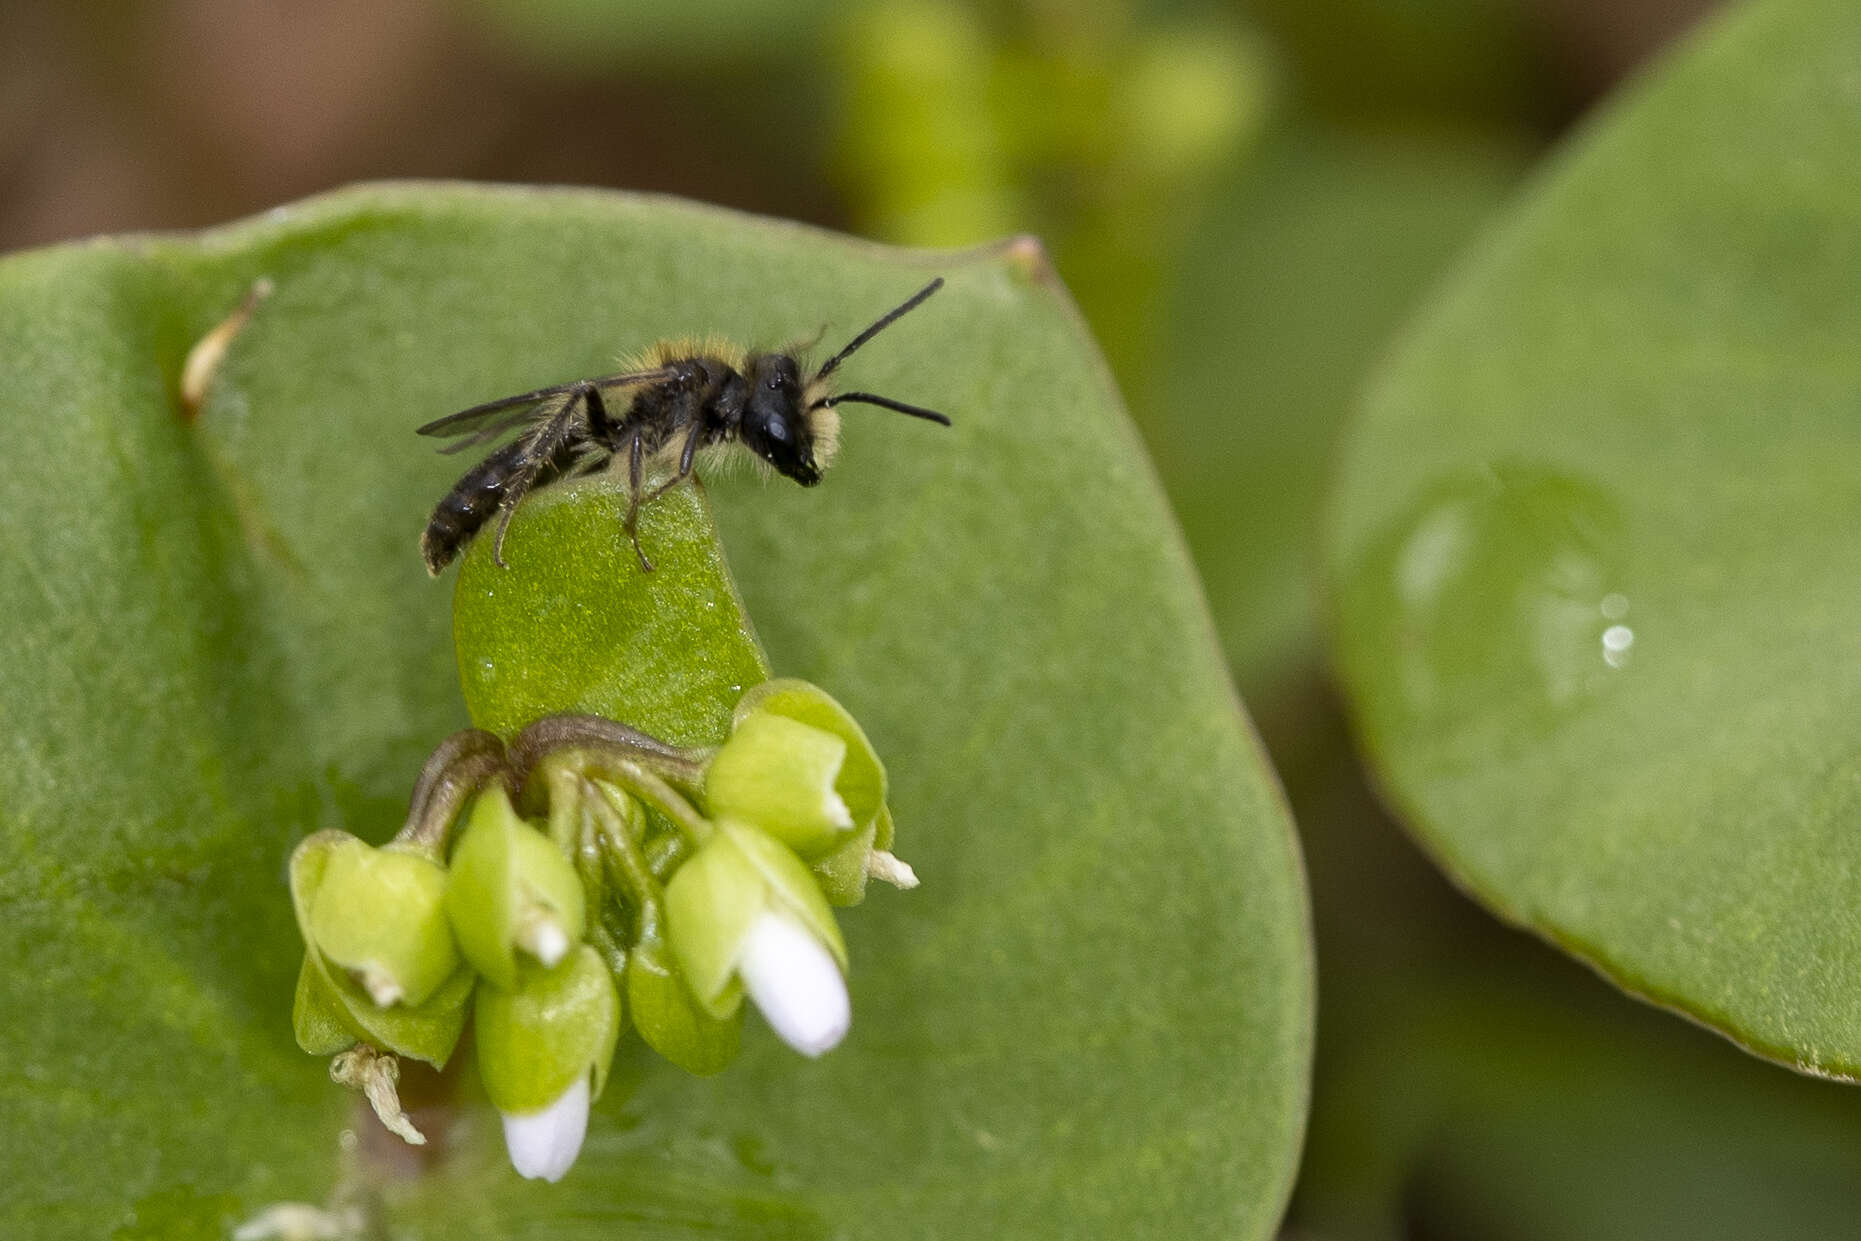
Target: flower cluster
pixel 585 877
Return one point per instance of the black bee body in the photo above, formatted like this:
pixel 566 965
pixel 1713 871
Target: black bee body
pixel 706 392
pixel 474 499
pixel 678 403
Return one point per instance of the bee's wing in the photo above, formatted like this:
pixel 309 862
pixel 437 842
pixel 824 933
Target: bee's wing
pixel 483 427
pixel 492 419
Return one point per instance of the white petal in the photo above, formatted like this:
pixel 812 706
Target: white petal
pixel 796 983
pixel 543 1145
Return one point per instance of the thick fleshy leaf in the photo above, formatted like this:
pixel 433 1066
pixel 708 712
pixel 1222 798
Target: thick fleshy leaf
pixel 584 630
pixel 1592 551
pixel 1310 257
pixel 1524 1103
pixel 1092 1020
pixel 1471 1082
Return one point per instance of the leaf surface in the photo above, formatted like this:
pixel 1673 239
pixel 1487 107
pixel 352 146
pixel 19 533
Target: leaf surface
pixel 1092 1020
pixel 1593 557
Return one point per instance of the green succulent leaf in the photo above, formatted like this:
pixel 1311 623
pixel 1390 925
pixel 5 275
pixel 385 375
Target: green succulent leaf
pixel 1592 553
pixel 574 625
pixel 1092 1020
pixel 1307 260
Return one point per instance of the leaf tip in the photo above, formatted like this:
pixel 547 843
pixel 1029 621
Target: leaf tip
pixel 1027 257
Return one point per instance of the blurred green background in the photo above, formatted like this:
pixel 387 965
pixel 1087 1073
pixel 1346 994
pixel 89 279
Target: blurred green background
pixel 1248 201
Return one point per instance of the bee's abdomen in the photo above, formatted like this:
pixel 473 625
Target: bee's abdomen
pixel 471 502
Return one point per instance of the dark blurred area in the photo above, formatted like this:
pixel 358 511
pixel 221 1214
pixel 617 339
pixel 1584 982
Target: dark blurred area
pixel 1248 201
pixel 185 113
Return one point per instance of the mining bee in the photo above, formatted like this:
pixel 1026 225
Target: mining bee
pixel 679 400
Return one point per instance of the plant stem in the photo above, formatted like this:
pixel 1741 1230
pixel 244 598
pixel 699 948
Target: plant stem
pixel 463 763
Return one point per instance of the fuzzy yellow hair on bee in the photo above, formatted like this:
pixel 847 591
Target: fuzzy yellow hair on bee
pixel 677 399
pixel 665 352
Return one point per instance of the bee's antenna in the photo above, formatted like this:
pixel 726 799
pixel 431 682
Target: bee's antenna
pixel 883 402
pixel 885 321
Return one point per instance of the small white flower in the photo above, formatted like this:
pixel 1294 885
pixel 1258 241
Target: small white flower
pixel 543 1145
pixel 796 983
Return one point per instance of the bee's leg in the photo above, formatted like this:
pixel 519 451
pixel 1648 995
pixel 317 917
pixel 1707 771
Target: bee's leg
pixel 542 446
pixel 518 486
pixel 600 426
pixel 636 469
pixel 685 460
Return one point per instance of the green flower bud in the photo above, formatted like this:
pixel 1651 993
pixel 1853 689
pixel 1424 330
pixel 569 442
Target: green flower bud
pixel 861 780
pixel 318 1016
pixel 842 873
pixel 543 1054
pixel 332 1011
pixel 865 855
pixel 556 1026
pixel 380 915
pixel 745 911
pixel 843 868
pixel 669 1018
pixel 332 1014
pixel 779 774
pixel 511 889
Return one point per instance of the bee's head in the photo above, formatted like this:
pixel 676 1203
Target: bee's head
pixel 817 399
pixel 776 423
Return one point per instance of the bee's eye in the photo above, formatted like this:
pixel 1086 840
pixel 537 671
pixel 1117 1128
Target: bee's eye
pixel 776 431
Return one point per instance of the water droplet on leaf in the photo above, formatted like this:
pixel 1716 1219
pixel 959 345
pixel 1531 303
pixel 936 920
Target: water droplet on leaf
pixel 1497 599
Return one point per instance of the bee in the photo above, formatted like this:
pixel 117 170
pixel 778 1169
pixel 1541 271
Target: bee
pixel 681 400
